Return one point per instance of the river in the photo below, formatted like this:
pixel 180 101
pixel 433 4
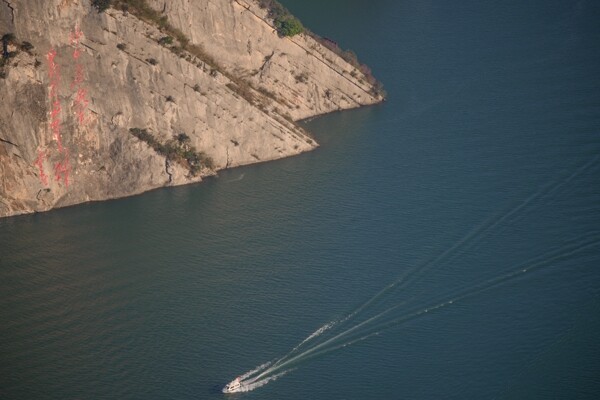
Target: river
pixel 447 241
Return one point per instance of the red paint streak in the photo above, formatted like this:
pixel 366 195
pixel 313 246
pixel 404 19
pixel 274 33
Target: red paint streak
pixel 54 90
pixel 53 67
pixel 81 103
pixel 55 113
pixel 62 168
pixel 75 36
pixel 79 76
pixel 39 162
pixel 55 123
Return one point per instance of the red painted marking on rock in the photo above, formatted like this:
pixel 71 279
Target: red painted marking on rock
pixel 39 162
pixel 62 169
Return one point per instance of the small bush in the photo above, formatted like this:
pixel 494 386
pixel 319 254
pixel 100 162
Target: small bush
pixel 8 38
pixel 26 46
pixel 144 135
pixel 101 5
pixel 301 78
pixel 285 23
pixel 180 36
pixel 378 90
pixel 288 25
pixel 183 139
pixel 176 50
pixel 163 21
pixel 122 46
pixel 165 40
pixel 208 161
pixel 151 61
pixel 170 99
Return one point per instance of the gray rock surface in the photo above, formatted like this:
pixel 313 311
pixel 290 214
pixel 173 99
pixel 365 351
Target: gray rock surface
pixel 69 102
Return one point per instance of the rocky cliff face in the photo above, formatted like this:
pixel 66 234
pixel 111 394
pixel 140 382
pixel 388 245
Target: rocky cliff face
pixel 104 105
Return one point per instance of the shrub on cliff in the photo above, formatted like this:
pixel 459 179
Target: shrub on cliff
pixel 288 25
pixel 178 149
pixel 26 46
pixel 7 39
pixel 285 23
pixel 165 41
pixel 101 5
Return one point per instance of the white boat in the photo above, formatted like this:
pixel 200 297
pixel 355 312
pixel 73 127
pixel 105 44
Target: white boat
pixel 233 386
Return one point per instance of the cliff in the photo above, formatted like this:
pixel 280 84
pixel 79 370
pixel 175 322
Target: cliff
pixel 105 105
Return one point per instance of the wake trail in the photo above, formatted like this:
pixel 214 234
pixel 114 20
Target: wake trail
pixel 354 334
pixel 474 236
pixel 247 387
pixel 316 334
pixel 468 240
pixel 255 370
pixel 461 295
pixel 310 337
pixel 302 355
pixel 285 360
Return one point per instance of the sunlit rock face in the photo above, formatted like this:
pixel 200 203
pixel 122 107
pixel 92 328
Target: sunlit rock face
pixel 105 105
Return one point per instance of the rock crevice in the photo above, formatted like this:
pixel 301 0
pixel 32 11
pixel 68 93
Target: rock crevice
pixel 12 10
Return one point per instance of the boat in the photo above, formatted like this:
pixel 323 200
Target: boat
pixel 233 386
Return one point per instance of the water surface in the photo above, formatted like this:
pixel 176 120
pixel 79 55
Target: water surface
pixel 483 161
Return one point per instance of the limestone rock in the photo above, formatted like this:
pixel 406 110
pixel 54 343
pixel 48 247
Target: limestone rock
pixel 77 84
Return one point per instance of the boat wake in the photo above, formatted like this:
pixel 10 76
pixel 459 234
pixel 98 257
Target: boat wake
pixel 247 383
pixel 365 322
pixel 254 371
pixel 316 333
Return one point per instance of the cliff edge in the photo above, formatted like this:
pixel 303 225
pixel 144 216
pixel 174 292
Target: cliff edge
pixel 99 105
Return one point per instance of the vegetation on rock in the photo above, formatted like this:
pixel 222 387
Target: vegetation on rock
pixel 10 39
pixel 285 23
pixel 288 25
pixel 7 39
pixel 178 149
pixel 101 5
pixel 165 40
pixel 350 57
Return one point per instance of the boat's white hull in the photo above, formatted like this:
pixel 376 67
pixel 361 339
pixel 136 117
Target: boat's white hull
pixel 234 386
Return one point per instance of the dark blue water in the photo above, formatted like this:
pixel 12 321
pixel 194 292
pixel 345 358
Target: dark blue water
pixel 476 182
